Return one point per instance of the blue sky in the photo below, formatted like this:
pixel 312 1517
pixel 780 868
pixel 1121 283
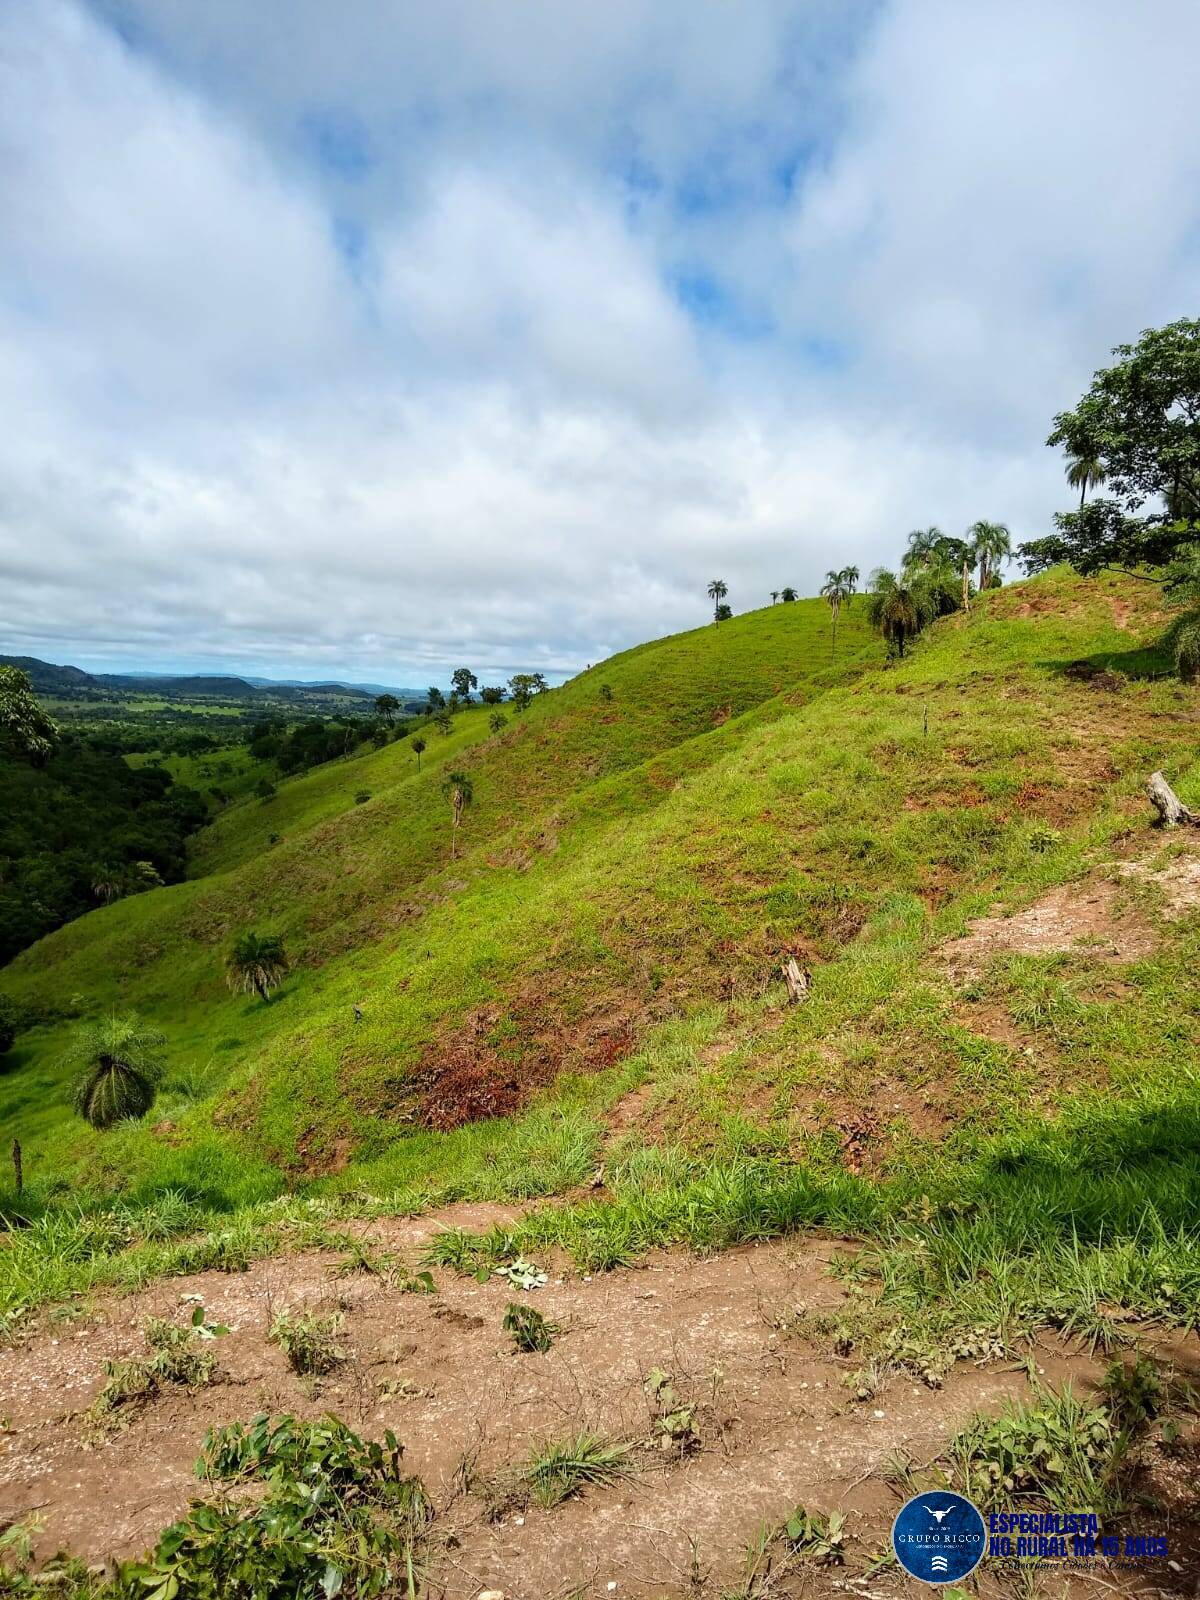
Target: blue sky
pixel 366 342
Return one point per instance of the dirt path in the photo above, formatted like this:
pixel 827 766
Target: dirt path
pixel 776 1422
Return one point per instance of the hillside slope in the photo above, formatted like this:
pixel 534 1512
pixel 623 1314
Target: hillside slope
pixel 634 869
pixel 373 910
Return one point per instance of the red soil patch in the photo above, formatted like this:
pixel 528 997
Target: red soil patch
pixel 500 1056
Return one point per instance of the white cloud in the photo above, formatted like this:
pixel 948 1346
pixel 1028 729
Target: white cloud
pixel 369 354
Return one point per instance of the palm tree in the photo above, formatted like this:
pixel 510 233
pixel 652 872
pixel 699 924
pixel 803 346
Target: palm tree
pixel 418 746
pixel 257 963
pixel 118 1066
pixel 774 596
pixel 108 885
pixel 836 589
pixel 716 593
pixel 924 545
pixel 1085 472
pixel 787 594
pixel 457 789
pixel 991 543
pixel 896 608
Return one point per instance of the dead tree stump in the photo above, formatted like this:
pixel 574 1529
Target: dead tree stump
pixel 798 980
pixel 1171 809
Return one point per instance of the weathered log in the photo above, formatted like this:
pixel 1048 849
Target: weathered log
pixel 798 980
pixel 1171 809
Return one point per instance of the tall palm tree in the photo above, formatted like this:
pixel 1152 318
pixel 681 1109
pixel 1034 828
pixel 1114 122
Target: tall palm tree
pixel 457 789
pixel 1085 472
pixel 717 590
pixel 835 590
pixel 774 596
pixel 257 964
pixel 991 543
pixel 118 1066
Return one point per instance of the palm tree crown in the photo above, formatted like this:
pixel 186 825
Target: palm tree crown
pixel 118 1066
pixel 1085 472
pixel 717 590
pixel 257 964
pixel 991 544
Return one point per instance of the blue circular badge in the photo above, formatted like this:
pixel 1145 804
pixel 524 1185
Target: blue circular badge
pixel 938 1537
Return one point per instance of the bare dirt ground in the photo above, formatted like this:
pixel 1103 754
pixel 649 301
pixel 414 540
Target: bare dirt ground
pixel 777 1425
pixel 1098 916
pixel 1086 918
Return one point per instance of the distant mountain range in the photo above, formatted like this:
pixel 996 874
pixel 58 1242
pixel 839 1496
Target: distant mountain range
pixel 47 678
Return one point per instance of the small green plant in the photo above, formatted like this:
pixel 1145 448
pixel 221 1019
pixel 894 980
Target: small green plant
pixel 522 1274
pixel 1055 1449
pixel 1043 838
pixel 1134 1393
pixel 817 1538
pixel 308 1340
pixel 674 1422
pixel 559 1470
pixel 177 1356
pixel 528 1329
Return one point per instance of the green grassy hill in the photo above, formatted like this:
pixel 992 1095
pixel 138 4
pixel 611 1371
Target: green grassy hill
pixel 644 845
pixel 374 911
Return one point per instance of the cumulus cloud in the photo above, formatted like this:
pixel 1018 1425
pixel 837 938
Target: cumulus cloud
pixel 493 333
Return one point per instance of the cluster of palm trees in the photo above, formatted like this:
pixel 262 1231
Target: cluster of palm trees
pixel 935 578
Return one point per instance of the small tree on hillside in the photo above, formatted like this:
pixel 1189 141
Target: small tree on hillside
pixel 434 699
pixel 717 590
pixel 118 1067
pixel 387 707
pixel 492 694
pixel 774 596
pixel 457 789
pixel 893 608
pixel 522 687
pixel 462 681
pixel 418 746
pixel 257 964
pixel 443 722
pixel 788 595
pixel 497 722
